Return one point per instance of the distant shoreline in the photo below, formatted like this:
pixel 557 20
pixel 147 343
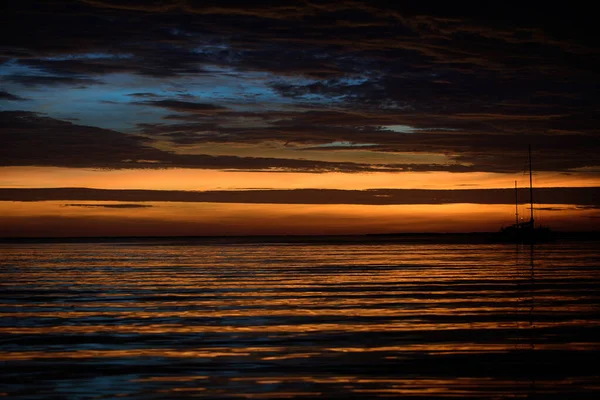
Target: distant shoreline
pixel 399 237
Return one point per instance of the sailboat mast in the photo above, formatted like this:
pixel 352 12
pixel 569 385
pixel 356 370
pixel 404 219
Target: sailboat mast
pixel 530 185
pixel 516 205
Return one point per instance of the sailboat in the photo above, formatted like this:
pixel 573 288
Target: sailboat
pixel 525 232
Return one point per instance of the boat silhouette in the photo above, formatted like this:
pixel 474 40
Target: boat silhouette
pixel 527 231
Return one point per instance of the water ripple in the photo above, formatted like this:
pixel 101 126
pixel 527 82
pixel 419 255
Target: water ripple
pixel 237 320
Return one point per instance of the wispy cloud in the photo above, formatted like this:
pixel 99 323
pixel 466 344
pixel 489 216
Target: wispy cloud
pixel 108 205
pixel 9 96
pixel 51 80
pixel 184 106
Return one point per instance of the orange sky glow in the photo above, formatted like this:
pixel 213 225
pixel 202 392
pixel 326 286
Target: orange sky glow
pixel 53 218
pixel 325 105
pixel 197 179
pixel 92 218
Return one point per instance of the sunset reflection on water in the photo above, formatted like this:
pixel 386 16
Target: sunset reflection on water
pixel 159 319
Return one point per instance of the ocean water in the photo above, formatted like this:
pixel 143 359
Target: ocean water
pixel 232 318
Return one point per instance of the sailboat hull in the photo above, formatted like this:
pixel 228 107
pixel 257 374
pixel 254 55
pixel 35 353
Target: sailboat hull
pixel 525 234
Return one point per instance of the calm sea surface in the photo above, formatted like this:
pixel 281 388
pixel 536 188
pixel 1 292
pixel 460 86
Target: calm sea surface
pixel 212 318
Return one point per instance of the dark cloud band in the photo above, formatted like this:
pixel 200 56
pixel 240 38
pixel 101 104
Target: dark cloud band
pixel 584 197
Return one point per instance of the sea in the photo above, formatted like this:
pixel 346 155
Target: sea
pixel 299 317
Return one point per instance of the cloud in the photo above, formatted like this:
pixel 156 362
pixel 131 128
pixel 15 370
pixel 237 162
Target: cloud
pixel 319 40
pixel 554 208
pixel 31 139
pixel 463 137
pixel 11 97
pixel 143 61
pixel 583 196
pixel 475 83
pixel 184 106
pixel 42 80
pixel 143 94
pixel 589 207
pixel 108 205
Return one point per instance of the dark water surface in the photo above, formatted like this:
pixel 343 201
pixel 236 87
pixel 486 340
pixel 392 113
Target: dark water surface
pixel 233 319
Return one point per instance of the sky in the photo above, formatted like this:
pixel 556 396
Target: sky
pixel 181 117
